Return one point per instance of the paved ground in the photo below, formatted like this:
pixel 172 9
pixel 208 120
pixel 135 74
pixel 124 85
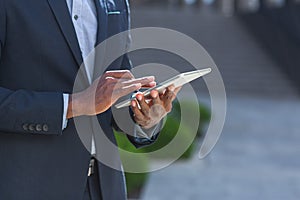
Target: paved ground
pixel 257 155
pixel 256 158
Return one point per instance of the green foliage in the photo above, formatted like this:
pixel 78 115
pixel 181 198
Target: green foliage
pixel 134 181
pixel 167 134
pixel 169 131
pixel 192 107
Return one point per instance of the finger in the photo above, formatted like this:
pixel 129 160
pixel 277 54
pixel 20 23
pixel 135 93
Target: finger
pixel 144 107
pixel 149 85
pixel 155 97
pixel 136 111
pixel 124 74
pixel 120 92
pixel 139 117
pixel 142 81
pixel 169 95
pixel 133 81
pixel 177 90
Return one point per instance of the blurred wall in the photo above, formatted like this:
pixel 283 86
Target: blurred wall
pixel 278 30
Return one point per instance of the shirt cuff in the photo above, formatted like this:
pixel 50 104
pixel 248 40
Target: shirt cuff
pixel 146 133
pixel 66 104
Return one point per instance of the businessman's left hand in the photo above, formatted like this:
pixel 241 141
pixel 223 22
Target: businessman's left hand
pixel 149 114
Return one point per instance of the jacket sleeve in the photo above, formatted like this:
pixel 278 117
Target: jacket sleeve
pixel 25 111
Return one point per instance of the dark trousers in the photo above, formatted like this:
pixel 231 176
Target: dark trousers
pixel 92 189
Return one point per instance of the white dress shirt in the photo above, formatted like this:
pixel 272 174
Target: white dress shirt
pixel 84 18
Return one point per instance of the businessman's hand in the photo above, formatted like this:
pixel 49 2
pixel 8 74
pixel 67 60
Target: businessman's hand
pixel 149 114
pixel 104 92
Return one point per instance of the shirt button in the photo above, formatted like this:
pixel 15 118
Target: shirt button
pixel 76 17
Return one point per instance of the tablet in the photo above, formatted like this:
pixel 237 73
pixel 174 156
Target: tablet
pixel 177 81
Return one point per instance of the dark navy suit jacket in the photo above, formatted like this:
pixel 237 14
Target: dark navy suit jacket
pixel 39 60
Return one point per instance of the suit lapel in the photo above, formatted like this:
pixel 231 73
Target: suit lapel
pixel 62 14
pixel 101 8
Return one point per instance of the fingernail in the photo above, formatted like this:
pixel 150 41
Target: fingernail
pixel 133 104
pixel 154 94
pixel 150 78
pixel 172 88
pixel 152 84
pixel 139 97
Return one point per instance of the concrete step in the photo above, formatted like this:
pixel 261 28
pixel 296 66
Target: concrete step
pixel 245 66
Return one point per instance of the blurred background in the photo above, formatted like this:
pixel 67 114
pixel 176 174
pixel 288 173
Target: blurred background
pixel 256 46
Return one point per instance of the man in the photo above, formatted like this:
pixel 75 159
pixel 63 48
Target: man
pixel 42 45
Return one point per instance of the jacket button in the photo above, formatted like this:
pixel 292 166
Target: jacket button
pixel 25 127
pixel 38 127
pixel 31 127
pixel 45 128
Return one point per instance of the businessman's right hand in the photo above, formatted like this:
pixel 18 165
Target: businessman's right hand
pixel 104 92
